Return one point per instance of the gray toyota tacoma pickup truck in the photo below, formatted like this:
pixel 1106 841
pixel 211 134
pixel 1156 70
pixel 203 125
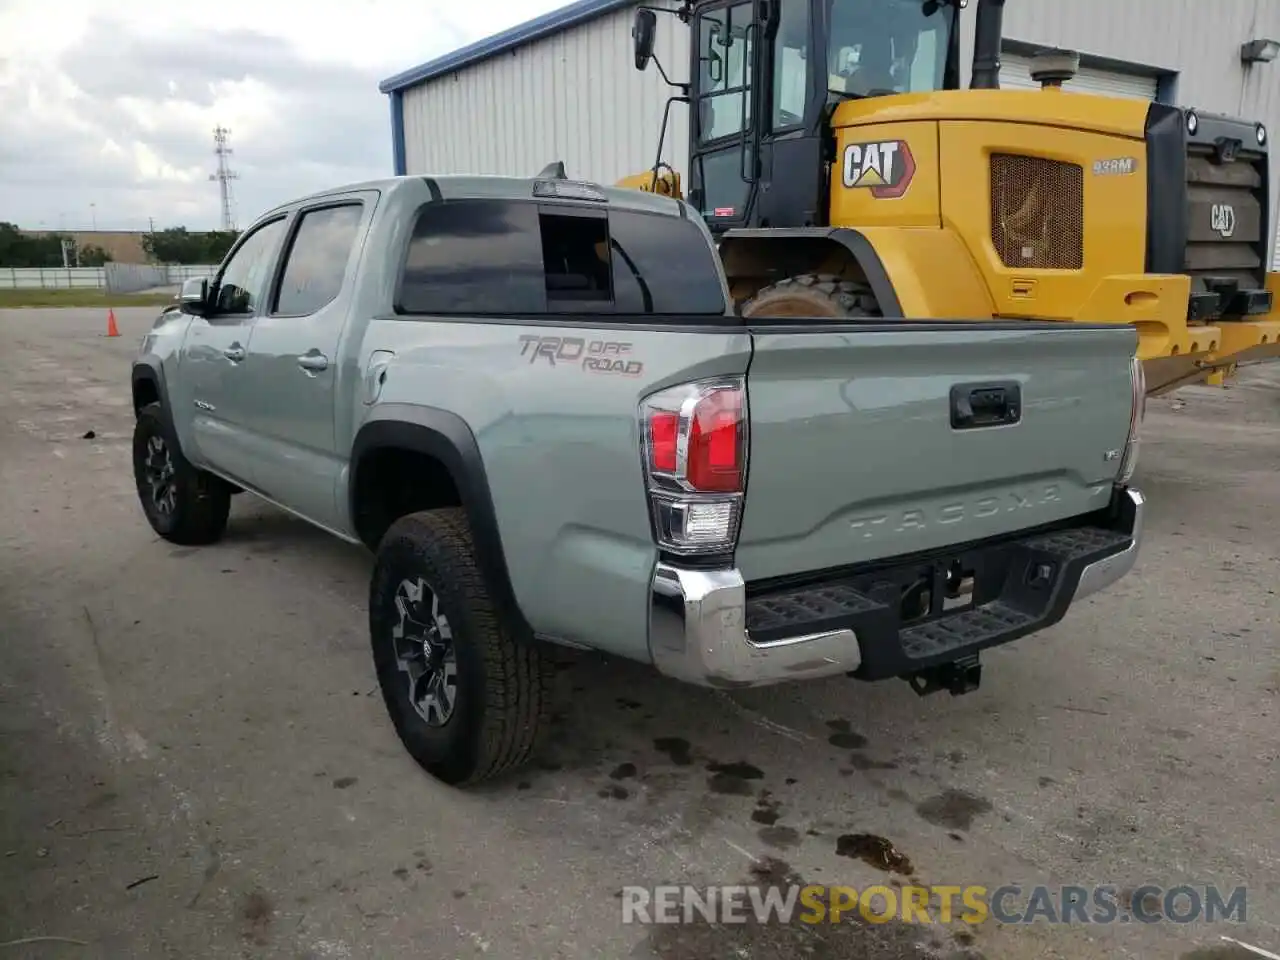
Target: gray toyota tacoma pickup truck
pixel 533 401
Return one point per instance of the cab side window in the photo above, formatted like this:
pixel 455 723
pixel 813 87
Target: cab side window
pixel 242 286
pixel 317 259
pixel 474 257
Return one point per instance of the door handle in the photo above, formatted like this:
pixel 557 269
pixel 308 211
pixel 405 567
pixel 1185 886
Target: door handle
pixel 234 353
pixel 313 362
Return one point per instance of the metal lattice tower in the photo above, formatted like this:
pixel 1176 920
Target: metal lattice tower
pixel 224 175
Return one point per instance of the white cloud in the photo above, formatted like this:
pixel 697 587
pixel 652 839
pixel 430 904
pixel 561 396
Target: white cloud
pixel 107 109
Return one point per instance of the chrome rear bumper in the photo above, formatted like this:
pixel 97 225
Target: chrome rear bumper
pixel 698 628
pixel 698 633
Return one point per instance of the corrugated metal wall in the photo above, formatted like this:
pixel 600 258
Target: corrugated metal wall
pixel 575 96
pixel 1015 72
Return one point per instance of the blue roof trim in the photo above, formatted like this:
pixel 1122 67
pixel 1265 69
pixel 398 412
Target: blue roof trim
pixel 548 23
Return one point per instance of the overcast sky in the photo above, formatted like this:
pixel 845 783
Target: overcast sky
pixel 107 107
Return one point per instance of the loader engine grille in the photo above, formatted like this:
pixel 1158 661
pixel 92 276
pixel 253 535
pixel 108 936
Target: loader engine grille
pixel 1037 212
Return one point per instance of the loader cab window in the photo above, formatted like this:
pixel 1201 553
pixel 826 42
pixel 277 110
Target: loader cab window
pixel 726 39
pixel 726 42
pixel 790 64
pixel 883 47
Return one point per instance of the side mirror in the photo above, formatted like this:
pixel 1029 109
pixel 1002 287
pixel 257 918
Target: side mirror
pixel 643 30
pixel 194 296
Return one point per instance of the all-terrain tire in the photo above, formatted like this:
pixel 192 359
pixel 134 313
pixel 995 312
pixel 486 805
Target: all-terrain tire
pixel 503 683
pixel 814 295
pixel 193 506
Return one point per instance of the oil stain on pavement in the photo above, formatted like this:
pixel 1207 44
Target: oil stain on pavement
pixel 733 778
pixel 849 939
pixel 844 737
pixel 874 851
pixel 953 809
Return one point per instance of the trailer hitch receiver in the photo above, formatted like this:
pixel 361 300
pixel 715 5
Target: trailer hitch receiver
pixel 957 677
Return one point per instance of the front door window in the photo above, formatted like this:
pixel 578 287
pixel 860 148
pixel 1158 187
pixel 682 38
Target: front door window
pixel 242 286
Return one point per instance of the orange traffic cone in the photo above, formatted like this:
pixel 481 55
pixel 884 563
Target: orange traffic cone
pixel 112 329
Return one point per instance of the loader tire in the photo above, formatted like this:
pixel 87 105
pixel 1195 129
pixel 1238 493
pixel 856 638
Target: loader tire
pixel 814 295
pixel 468 698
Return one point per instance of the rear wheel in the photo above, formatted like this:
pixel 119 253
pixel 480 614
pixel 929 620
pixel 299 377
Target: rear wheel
pixel 467 697
pixel 814 295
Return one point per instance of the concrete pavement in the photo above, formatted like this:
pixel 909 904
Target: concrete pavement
pixel 194 761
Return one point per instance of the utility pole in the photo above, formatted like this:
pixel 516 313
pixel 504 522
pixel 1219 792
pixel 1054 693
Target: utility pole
pixel 224 174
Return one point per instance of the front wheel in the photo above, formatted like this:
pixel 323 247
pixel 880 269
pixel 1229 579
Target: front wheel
pixel 183 504
pixel 467 697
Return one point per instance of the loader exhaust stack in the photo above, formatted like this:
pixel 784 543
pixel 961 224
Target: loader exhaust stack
pixel 988 30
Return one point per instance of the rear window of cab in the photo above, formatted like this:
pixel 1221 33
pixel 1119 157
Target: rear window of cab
pixel 509 257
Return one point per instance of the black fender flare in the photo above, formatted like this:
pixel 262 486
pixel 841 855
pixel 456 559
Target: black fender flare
pixel 777 242
pixel 447 438
pixel 149 369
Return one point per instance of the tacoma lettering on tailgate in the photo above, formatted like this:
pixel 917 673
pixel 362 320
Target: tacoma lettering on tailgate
pixel 917 518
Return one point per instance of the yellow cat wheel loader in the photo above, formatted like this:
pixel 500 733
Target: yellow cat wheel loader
pixel 846 173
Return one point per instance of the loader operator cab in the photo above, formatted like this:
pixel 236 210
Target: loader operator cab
pixel 768 74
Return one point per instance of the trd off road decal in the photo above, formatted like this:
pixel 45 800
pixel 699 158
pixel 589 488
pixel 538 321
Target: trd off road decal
pixel 885 167
pixel 593 356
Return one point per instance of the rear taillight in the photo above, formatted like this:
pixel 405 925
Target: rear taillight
pixel 1138 380
pixel 695 464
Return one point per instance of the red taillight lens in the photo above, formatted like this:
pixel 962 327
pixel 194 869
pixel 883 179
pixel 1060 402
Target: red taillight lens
pixel 694 437
pixel 664 428
pixel 715 443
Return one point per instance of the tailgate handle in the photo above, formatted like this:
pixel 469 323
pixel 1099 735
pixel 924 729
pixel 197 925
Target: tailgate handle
pixel 976 405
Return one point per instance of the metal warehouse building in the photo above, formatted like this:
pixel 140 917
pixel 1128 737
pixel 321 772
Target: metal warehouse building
pixel 563 86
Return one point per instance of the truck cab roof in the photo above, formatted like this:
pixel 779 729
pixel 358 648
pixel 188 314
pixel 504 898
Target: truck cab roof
pixel 481 187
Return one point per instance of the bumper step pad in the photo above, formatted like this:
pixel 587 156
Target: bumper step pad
pixel 1011 604
pixel 815 608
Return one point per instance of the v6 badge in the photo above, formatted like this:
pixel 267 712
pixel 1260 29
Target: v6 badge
pixel 885 167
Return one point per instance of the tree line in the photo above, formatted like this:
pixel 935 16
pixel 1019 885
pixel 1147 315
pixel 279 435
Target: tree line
pixel 173 245
pixel 18 249
pixel 178 245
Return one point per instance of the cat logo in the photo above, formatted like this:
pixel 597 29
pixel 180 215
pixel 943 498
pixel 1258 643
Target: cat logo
pixel 1222 220
pixel 885 167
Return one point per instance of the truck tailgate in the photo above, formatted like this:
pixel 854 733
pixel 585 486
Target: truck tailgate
pixel 860 449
